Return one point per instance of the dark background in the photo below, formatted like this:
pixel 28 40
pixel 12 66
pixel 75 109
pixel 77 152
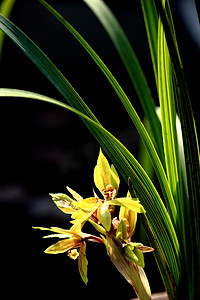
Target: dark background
pixel 45 148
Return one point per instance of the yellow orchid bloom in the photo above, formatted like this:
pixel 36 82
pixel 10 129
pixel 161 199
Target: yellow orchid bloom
pixel 100 211
pixel 101 214
pixel 71 240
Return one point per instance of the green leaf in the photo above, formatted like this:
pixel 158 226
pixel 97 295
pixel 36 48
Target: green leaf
pixel 5 9
pixel 165 271
pixel 159 169
pixel 131 63
pixel 129 168
pixel 151 22
pixel 168 122
pixel 123 160
pixel 45 65
pixel 192 159
pixel 197 3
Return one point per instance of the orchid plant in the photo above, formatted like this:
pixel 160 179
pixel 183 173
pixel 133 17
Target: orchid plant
pixel 171 148
pixel 115 232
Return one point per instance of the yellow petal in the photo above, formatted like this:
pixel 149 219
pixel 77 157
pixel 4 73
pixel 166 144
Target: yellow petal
pixel 114 178
pixel 82 263
pixel 54 229
pixel 63 246
pixel 98 179
pixel 102 172
pixel 64 203
pixel 81 216
pixel 128 203
pixel 75 194
pixel 88 204
pixel 131 218
pixel 76 229
pixel 98 227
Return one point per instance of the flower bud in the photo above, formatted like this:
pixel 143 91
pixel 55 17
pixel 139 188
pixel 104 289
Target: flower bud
pixel 104 216
pixel 134 254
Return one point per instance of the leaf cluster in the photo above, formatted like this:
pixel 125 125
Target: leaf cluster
pixel 170 139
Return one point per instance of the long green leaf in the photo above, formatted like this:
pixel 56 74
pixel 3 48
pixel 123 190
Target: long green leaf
pixel 158 215
pixel 125 162
pixel 151 22
pixel 191 147
pixel 125 50
pixel 45 65
pixel 168 117
pixel 5 9
pixel 197 3
pixel 133 114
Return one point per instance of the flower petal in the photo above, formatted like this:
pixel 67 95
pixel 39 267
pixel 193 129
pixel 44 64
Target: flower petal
pixel 102 172
pixel 131 218
pixel 81 216
pixel 64 203
pixel 75 194
pixel 128 203
pixel 88 204
pixel 63 246
pixel 114 178
pixel 54 229
pixel 82 263
pixel 98 227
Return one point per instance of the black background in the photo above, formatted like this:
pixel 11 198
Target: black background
pixel 45 148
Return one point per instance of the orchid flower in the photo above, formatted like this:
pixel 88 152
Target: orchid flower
pixel 71 240
pixel 95 209
pixel 116 232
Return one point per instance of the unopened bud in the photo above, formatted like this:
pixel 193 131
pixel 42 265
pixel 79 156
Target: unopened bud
pixel 104 216
pixel 134 254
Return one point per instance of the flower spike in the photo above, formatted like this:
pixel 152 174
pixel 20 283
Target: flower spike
pixel 115 233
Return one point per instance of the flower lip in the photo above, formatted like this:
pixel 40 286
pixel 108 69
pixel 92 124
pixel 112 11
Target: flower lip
pixel 109 193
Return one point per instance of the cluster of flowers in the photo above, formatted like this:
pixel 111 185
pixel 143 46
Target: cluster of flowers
pixel 115 232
